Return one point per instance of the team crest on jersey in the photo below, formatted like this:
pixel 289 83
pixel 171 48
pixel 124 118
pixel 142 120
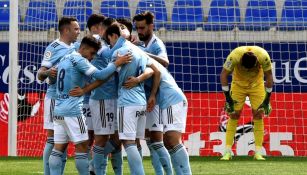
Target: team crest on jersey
pixel 47 55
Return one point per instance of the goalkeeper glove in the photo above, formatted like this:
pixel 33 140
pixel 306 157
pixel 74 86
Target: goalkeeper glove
pixel 229 105
pixel 266 106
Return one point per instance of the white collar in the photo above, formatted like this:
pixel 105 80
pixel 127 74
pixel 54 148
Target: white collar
pixel 63 44
pixel 151 40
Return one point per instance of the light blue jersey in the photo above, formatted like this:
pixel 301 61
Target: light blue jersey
pixel 136 95
pixel 169 93
pixel 155 46
pixel 109 89
pixel 71 69
pixel 52 56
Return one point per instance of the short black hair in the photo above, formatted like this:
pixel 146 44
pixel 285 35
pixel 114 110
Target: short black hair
pixel 113 29
pixel 91 41
pixel 65 21
pixel 108 22
pixel 249 60
pixel 146 15
pixel 94 19
pixel 127 22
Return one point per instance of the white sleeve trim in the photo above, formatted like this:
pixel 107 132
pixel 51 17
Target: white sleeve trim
pixel 90 71
pixel 46 64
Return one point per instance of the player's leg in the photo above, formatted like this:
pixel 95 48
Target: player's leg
pixel 130 119
pixel 257 95
pixel 174 121
pixel 61 141
pixel 48 126
pixel 89 123
pixel 238 95
pixel 77 132
pixel 159 154
pixel 101 116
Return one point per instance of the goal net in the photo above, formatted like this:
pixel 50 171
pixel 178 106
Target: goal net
pixel 198 35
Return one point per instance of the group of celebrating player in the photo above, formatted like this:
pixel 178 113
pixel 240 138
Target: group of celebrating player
pixel 113 89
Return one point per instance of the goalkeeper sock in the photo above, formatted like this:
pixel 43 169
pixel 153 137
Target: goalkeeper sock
pixel 230 132
pixel 55 162
pixel 47 151
pixel 258 133
pixel 164 157
pixel 64 159
pixel 154 159
pixel 180 160
pixel 82 163
pixel 117 161
pixel 134 159
pixel 100 160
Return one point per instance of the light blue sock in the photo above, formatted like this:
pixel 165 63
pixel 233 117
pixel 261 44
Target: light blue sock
pixel 55 162
pixel 110 147
pixel 140 151
pixel 157 166
pixel 117 161
pixel 64 159
pixel 100 160
pixel 164 157
pixel 82 163
pixel 134 160
pixel 180 160
pixel 47 151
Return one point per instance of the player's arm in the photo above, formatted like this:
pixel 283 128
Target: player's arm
pixel 161 59
pixel 44 72
pixel 78 91
pixel 134 81
pixel 265 106
pixel 154 89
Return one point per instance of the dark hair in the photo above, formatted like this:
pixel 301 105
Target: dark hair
pixel 127 22
pixel 90 41
pixel 113 29
pixel 94 19
pixel 108 22
pixel 65 21
pixel 147 15
pixel 249 60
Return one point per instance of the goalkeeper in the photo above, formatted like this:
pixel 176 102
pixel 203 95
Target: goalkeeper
pixel 248 66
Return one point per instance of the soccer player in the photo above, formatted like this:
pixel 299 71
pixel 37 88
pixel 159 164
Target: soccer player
pixel 248 66
pixel 150 43
pixel 132 102
pixel 69 123
pixel 103 102
pixel 69 31
pixel 173 113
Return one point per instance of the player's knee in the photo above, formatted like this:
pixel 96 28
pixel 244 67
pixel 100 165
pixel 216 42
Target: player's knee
pixel 171 139
pixel 235 116
pixel 82 147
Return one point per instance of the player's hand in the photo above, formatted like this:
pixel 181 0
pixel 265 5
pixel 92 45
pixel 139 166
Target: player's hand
pixel 229 105
pixel 52 72
pixel 123 59
pixel 134 39
pixel 131 82
pixel 265 107
pixel 76 92
pixel 151 103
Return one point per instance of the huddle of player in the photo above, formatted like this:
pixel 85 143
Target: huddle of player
pixel 109 90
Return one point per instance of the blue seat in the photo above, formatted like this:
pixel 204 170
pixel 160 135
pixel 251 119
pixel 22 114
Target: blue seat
pixel 79 9
pixel 260 15
pixel 187 15
pixel 223 15
pixel 294 15
pixel 4 15
pixel 157 7
pixel 115 9
pixel 40 15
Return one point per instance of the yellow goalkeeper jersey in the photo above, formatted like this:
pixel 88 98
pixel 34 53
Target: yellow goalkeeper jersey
pixel 240 75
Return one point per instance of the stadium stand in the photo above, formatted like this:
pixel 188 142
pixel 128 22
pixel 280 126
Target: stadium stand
pixel 157 7
pixel 260 15
pixel 294 15
pixel 115 8
pixel 223 15
pixel 40 15
pixel 4 15
pixel 80 9
pixel 186 15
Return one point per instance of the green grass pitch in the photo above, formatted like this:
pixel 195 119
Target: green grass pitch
pixel 199 165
